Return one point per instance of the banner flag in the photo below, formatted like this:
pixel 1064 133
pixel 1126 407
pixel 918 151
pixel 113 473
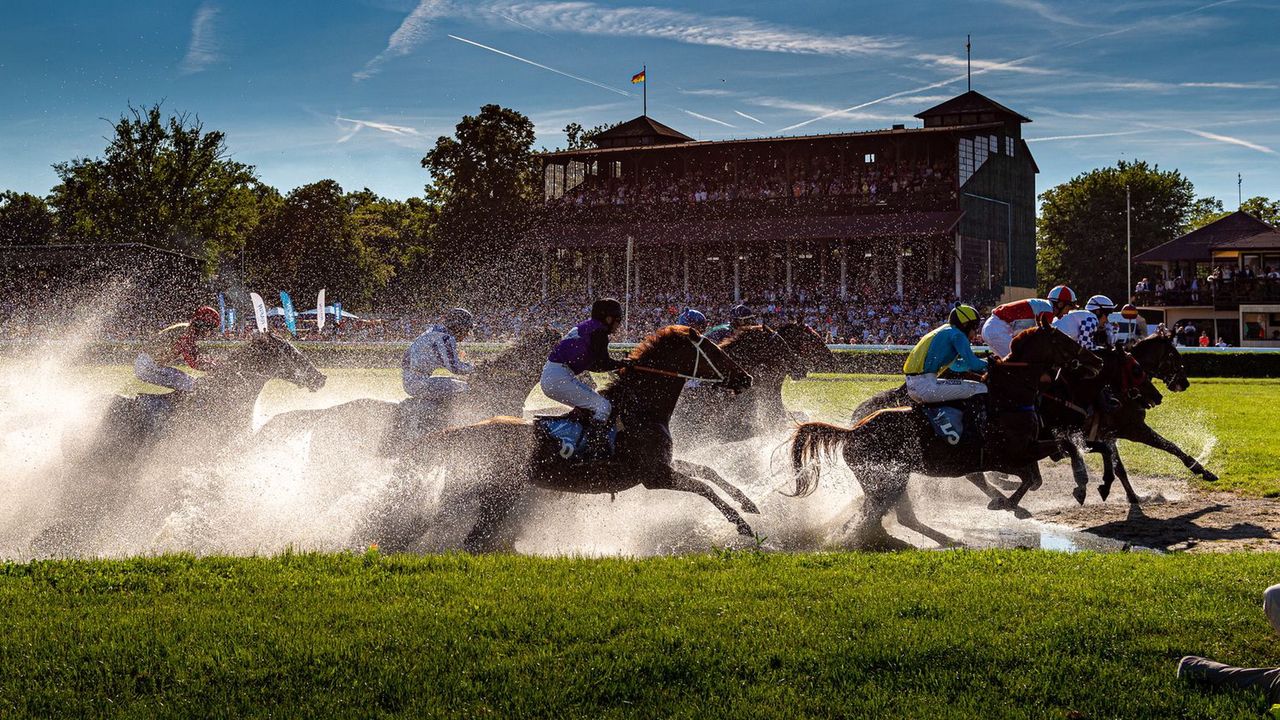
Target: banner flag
pixel 222 313
pixel 290 317
pixel 320 310
pixel 337 313
pixel 231 319
pixel 259 311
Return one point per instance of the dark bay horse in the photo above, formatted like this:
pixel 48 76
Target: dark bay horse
pixel 507 454
pixel 708 413
pixel 175 429
pixel 499 386
pixel 884 448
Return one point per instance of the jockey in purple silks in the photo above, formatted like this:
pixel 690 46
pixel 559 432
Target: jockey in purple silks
pixel 586 349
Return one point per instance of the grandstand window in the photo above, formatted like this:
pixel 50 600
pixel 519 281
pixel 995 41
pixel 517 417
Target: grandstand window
pixel 966 160
pixel 869 158
pixel 994 143
pixel 1008 146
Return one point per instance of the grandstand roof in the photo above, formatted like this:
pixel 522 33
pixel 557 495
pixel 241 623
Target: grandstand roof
pixel 970 102
pixel 642 130
pixel 788 138
pixel 1200 243
pixel 749 231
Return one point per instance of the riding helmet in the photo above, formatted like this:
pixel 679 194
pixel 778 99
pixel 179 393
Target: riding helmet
pixel 692 318
pixel 458 319
pixel 606 308
pixel 1099 302
pixel 1062 294
pixel 963 316
pixel 742 315
pixel 206 318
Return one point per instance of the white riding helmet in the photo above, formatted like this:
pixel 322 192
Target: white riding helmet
pixel 1099 302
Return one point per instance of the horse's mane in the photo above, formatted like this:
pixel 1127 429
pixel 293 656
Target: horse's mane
pixel 1022 338
pixel 747 338
pixel 655 340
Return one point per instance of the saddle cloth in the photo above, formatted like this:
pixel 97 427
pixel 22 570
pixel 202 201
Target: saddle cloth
pixel 957 421
pixel 568 430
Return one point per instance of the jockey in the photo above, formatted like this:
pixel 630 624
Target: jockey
pixel 946 346
pixel 1130 327
pixel 693 319
pixel 155 362
pixel 435 349
pixel 1089 327
pixel 739 317
pixel 1011 318
pixel 586 349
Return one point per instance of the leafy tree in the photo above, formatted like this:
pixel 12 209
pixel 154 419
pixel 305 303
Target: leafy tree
pixel 164 181
pixel 25 219
pixel 1268 211
pixel 1204 211
pixel 1081 231
pixel 311 241
pixel 398 231
pixel 484 181
pixel 1207 210
pixel 580 139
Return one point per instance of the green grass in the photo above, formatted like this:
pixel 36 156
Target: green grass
pixel 993 634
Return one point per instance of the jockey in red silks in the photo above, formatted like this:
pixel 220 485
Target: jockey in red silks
pixel 586 349
pixel 155 364
pixel 1011 318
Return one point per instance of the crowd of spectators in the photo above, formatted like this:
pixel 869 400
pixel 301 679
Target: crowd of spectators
pixel 862 182
pixel 1223 282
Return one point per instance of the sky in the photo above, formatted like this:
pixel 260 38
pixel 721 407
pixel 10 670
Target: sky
pixel 358 90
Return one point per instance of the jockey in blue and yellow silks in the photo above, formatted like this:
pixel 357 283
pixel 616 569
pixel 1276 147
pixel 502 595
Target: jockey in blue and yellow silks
pixel 945 346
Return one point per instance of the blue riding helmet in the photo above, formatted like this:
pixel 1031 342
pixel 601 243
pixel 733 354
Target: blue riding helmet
pixel 693 319
pixel 742 315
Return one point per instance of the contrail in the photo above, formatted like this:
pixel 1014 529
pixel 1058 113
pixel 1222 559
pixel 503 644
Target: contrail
pixel 571 76
pixel 708 119
pixel 739 112
pixel 1086 135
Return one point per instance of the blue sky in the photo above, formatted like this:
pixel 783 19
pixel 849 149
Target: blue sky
pixel 358 90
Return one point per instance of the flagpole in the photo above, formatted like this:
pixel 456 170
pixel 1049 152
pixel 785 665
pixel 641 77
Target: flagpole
pixel 644 73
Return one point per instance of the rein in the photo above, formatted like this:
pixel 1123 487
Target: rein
pixel 702 355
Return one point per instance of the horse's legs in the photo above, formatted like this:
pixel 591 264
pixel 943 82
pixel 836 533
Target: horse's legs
pixel 497 500
pixel 1108 467
pixel 1123 474
pixel 906 515
pixel 1030 477
pixel 882 489
pixel 979 480
pixel 703 472
pixel 1147 436
pixel 1079 470
pixel 663 477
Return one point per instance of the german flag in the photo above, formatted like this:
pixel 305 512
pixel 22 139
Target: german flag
pixel 637 78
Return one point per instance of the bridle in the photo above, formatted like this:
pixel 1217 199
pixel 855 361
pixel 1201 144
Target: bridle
pixel 701 357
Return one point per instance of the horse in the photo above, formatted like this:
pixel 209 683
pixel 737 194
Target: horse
pixel 707 413
pixel 193 426
pixel 509 454
pixel 499 386
pixel 885 447
pixel 1155 357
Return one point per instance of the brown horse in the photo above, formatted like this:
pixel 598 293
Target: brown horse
pixel 884 448
pixel 509 453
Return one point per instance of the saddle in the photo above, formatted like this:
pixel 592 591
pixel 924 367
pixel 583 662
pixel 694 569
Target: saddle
pixel 566 433
pixel 157 408
pixel 414 417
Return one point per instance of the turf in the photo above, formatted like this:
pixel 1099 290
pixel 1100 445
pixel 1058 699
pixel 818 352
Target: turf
pixel 992 634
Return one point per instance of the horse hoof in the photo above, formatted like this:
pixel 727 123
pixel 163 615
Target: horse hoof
pixel 1104 491
pixel 750 508
pixel 745 530
pixel 1079 495
pixel 1208 476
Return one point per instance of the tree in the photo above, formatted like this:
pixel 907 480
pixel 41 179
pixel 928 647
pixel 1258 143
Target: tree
pixel 161 181
pixel 398 231
pixel 1081 231
pixel 310 241
pixel 580 139
pixel 1268 211
pixel 484 181
pixel 1204 211
pixel 25 219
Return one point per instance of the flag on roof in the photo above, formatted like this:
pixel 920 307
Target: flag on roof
pixel 637 78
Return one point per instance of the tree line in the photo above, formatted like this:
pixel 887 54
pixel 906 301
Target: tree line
pixel 166 180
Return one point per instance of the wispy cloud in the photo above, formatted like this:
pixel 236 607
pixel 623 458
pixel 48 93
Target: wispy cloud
pixel 752 119
pixel 1229 140
pixel 707 92
pixel 1085 136
pixel 1232 85
pixel 707 118
pixel 1045 11
pixel 202 51
pixel 956 62
pixel 809 108
pixel 527 61
pixel 411 32
pixel 353 126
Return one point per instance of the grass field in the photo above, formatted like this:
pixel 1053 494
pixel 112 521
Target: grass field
pixel 996 634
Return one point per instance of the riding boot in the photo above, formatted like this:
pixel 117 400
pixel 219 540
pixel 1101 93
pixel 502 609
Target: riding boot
pixel 595 440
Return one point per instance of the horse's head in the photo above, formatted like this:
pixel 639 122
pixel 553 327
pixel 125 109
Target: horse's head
pixel 276 358
pixel 1159 358
pixel 528 352
pixel 686 352
pixel 761 350
pixel 1052 349
pixel 808 345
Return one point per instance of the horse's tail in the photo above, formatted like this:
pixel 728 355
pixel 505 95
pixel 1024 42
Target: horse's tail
pixel 812 443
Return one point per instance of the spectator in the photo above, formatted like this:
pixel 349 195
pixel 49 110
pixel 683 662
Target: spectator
pixel 1214 674
pixel 1204 339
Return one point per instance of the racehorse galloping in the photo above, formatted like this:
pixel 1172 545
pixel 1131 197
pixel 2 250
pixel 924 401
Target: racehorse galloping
pixel 499 386
pixel 512 452
pixel 884 448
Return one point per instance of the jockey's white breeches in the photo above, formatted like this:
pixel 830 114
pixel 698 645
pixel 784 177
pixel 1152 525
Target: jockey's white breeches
pixel 927 388
pixel 149 371
pixel 998 335
pixel 560 384
pixel 437 387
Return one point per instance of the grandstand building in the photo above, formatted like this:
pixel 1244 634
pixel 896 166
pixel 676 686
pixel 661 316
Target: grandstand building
pixel 949 205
